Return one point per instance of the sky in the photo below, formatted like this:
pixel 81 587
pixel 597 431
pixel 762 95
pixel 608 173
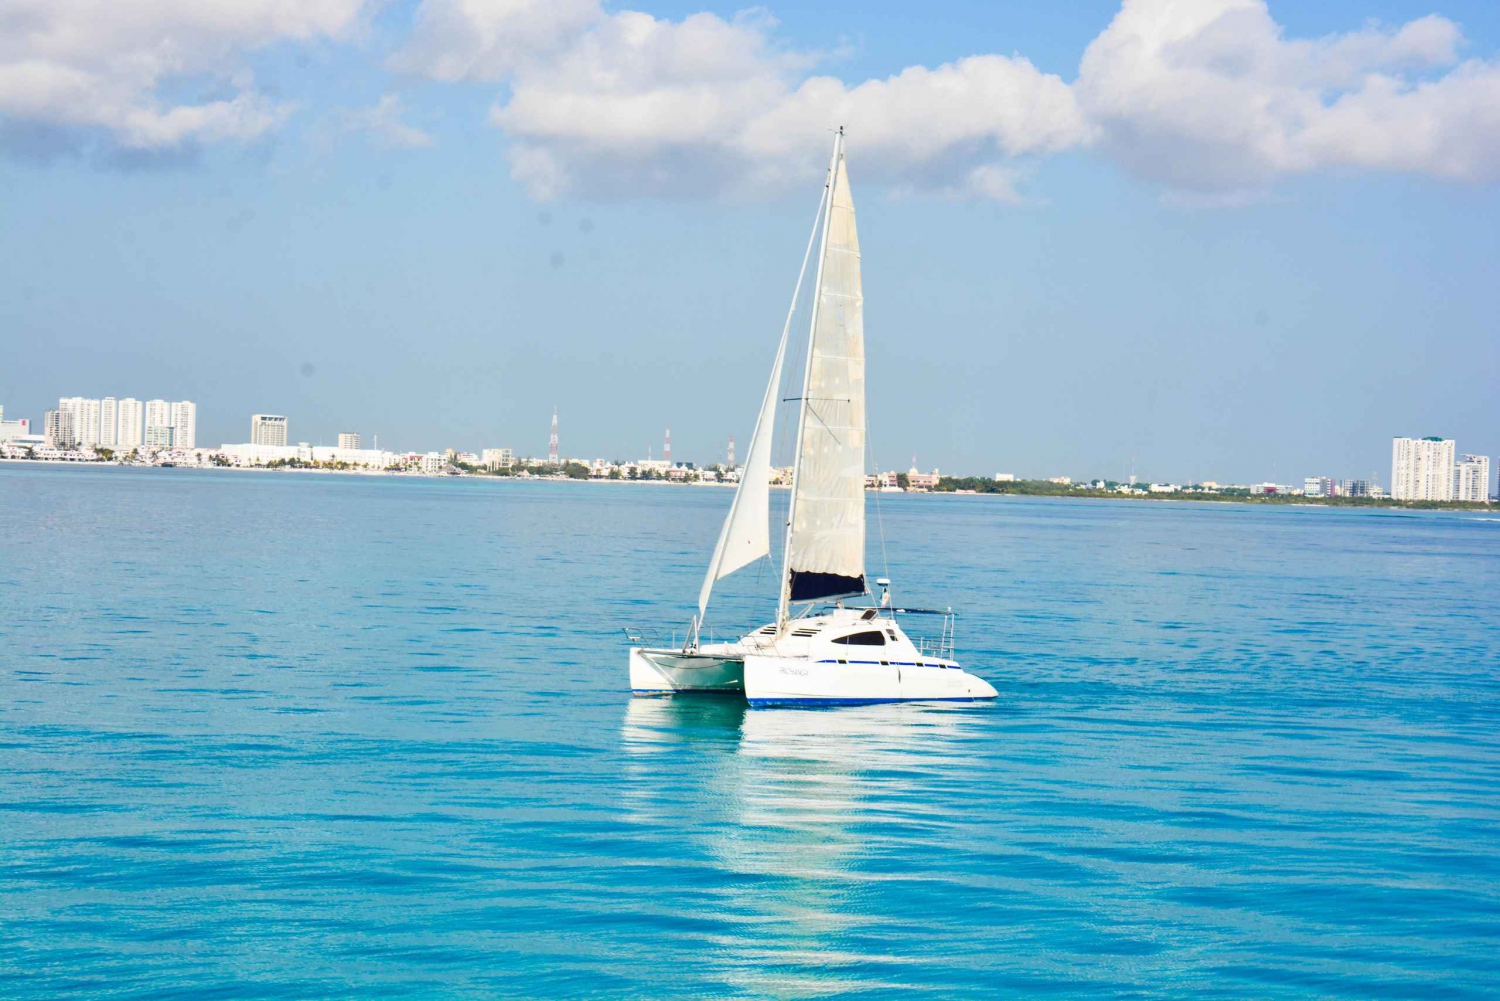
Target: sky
pixel 1204 239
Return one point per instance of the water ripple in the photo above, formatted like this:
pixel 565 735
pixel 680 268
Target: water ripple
pixel 1239 753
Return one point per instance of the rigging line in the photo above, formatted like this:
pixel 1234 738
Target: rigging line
pixel 879 488
pixel 779 443
pixel 825 426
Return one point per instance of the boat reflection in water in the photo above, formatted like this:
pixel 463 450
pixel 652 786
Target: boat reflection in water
pixel 677 755
pixel 799 817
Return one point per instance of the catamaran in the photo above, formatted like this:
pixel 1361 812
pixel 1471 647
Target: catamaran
pixel 823 654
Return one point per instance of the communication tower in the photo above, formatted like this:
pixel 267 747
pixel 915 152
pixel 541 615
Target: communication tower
pixel 552 454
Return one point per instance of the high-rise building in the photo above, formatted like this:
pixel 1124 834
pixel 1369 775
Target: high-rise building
pixel 85 418
pixel 267 429
pixel 57 427
pixel 160 436
pixel 69 405
pixel 109 421
pixel 158 415
pixel 1471 479
pixel 184 416
pixel 349 439
pixel 1422 469
pixel 87 422
pixel 132 432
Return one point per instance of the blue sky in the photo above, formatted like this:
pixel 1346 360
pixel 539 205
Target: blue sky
pixel 1258 254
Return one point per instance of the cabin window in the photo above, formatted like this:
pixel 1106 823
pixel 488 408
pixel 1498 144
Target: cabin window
pixel 871 638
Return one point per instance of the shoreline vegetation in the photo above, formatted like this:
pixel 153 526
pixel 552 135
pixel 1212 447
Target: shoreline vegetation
pixel 946 486
pixel 1239 495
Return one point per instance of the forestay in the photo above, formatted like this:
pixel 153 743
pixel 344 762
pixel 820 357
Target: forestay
pixel 746 535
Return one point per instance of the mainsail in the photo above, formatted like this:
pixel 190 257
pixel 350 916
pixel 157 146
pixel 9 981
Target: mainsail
pixel 826 544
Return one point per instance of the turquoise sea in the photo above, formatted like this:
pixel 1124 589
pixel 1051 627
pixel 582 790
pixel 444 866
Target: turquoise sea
pixel 301 736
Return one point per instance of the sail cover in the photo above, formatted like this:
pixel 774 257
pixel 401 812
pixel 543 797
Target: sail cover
pixel 827 548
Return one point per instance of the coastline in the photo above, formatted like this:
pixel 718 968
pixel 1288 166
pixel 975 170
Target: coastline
pixel 1267 500
pixel 1274 500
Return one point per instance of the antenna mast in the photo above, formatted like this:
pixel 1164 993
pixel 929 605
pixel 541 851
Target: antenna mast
pixel 552 453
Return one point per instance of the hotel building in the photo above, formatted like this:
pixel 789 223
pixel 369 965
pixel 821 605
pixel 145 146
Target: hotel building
pixel 267 429
pixel 184 418
pixel 58 428
pixel 132 427
pixel 1471 479
pixel 109 422
pixel 1422 469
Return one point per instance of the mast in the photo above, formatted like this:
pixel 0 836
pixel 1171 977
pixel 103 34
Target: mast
pixel 786 567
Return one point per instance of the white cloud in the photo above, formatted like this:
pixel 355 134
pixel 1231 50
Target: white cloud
pixel 105 65
pixel 641 104
pixel 486 39
pixel 629 103
pixel 383 123
pixel 993 182
pixel 956 129
pixel 1209 96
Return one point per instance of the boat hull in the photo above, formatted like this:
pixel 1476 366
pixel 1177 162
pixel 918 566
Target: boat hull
pixel 665 672
pixel 801 681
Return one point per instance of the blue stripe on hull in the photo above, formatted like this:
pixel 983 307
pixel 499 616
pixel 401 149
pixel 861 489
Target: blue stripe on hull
pixel 805 703
pixel 813 703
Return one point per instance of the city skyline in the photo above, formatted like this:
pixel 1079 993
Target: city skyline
pixel 1069 261
pixel 1194 471
pixel 1421 469
pixel 122 423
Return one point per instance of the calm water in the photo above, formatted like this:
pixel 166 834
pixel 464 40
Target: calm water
pixel 273 736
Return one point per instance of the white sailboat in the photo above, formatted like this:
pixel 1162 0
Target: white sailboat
pixel 839 654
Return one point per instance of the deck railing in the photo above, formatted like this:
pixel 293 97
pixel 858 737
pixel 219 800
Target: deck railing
pixel 941 646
